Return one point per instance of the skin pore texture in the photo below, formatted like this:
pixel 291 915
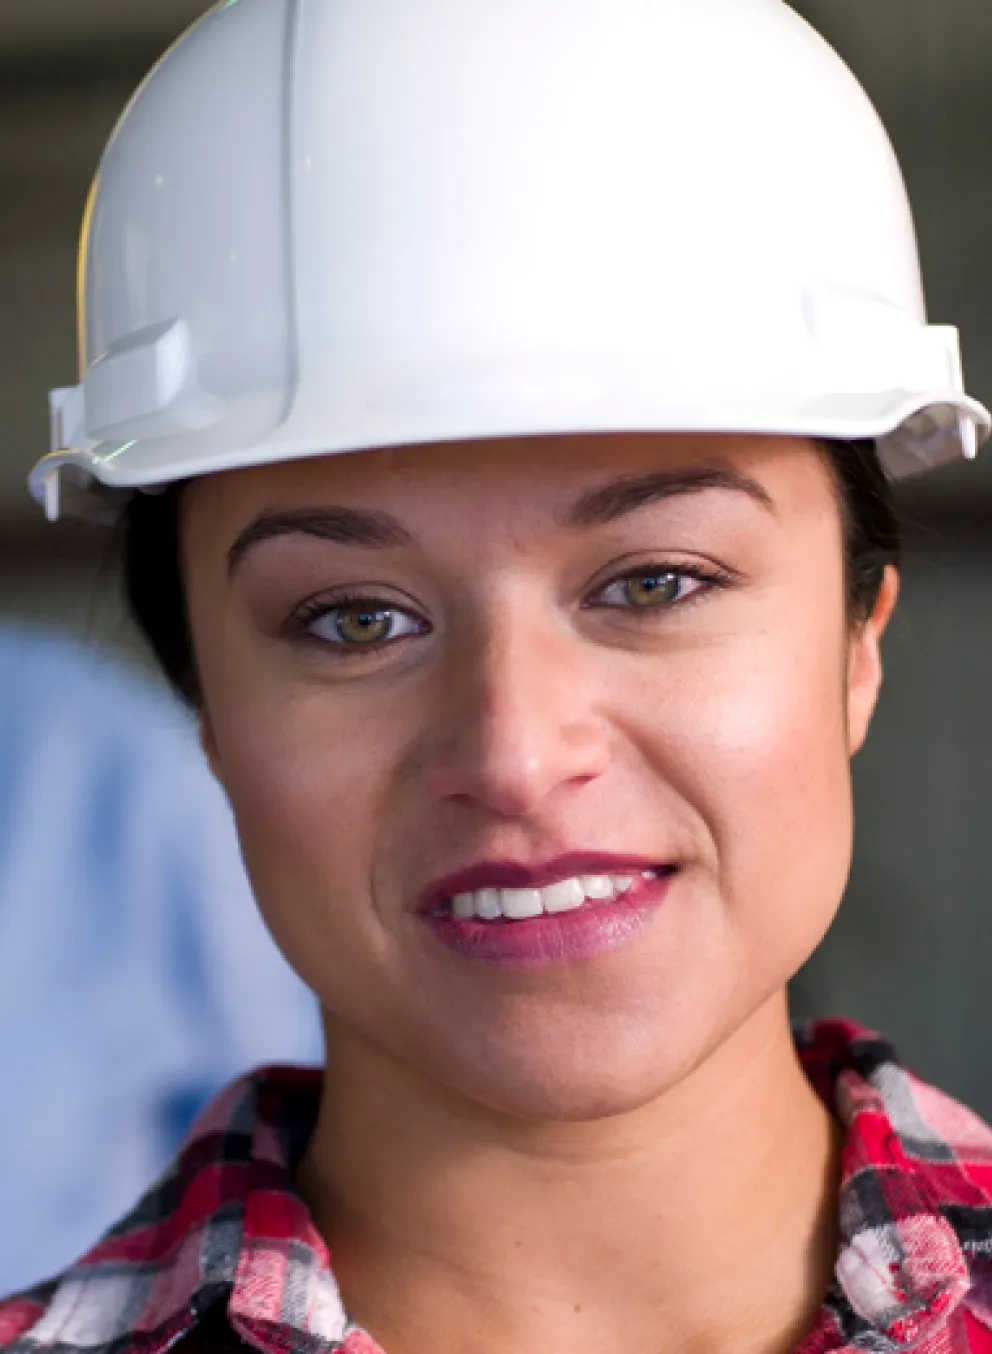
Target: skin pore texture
pixel 634 645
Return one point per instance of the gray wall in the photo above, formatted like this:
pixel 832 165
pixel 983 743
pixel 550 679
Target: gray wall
pixel 909 951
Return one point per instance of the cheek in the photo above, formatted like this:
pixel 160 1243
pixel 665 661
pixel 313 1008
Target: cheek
pixel 756 746
pixel 307 785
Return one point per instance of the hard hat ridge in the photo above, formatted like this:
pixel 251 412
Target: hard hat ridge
pixel 329 225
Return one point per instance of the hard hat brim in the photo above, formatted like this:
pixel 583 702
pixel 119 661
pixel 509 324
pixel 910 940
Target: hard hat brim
pixel 914 433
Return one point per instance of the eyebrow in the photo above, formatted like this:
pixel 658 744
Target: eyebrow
pixel 344 526
pixel 611 501
pixel 373 530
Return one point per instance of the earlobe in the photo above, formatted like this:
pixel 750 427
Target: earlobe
pixel 864 669
pixel 209 745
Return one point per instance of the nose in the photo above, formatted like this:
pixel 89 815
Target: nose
pixel 516 722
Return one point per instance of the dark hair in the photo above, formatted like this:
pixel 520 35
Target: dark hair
pixel 872 530
pixel 153 585
pixel 153 578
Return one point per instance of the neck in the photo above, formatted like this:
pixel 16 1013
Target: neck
pixel 701 1219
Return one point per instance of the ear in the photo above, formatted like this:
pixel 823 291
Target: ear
pixel 864 664
pixel 208 743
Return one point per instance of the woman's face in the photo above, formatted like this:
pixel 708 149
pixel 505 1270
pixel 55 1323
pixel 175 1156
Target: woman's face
pixel 464 669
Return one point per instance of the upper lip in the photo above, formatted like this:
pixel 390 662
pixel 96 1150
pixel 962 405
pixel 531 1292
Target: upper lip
pixel 509 874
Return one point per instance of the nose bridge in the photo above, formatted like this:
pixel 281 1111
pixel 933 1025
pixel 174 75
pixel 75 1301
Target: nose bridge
pixel 515 720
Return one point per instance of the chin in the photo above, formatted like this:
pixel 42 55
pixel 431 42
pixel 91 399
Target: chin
pixel 579 1096
pixel 570 1081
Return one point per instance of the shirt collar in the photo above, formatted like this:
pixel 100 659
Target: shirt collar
pixel 226 1223
pixel 916 1193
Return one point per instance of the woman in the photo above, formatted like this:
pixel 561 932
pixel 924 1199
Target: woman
pixel 536 715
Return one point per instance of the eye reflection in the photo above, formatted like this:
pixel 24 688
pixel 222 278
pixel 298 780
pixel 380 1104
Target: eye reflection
pixel 653 589
pixel 361 625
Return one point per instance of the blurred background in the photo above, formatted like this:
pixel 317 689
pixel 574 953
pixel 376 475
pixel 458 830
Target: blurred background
pixel 911 951
pixel 135 975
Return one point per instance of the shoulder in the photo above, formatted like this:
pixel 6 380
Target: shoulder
pixel 23 1319
pixel 21 1313
pixel 899 1127
pixel 164 1275
pixel 915 1196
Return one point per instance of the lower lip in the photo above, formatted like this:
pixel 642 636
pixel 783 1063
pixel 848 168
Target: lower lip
pixel 592 930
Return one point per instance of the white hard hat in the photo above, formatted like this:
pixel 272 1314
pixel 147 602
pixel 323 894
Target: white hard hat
pixel 330 225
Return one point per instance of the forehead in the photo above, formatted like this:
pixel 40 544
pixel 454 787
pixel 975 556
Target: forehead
pixel 508 477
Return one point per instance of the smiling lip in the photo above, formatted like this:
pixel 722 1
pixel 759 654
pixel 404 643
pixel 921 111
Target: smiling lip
pixel 592 930
pixel 505 874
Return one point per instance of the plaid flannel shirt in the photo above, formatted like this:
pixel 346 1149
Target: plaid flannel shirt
pixel 222 1252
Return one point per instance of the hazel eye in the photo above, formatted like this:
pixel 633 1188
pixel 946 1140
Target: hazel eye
pixel 364 625
pixel 652 589
pixel 655 588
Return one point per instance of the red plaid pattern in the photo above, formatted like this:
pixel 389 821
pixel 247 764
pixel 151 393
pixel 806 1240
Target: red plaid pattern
pixel 225 1229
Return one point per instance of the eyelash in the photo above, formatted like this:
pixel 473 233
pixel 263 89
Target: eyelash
pixel 301 623
pixel 303 620
pixel 709 579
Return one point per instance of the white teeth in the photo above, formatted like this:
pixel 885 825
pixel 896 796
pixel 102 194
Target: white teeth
pixel 521 904
pixel 463 906
pixel 489 904
pixel 598 886
pixel 525 904
pixel 564 897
